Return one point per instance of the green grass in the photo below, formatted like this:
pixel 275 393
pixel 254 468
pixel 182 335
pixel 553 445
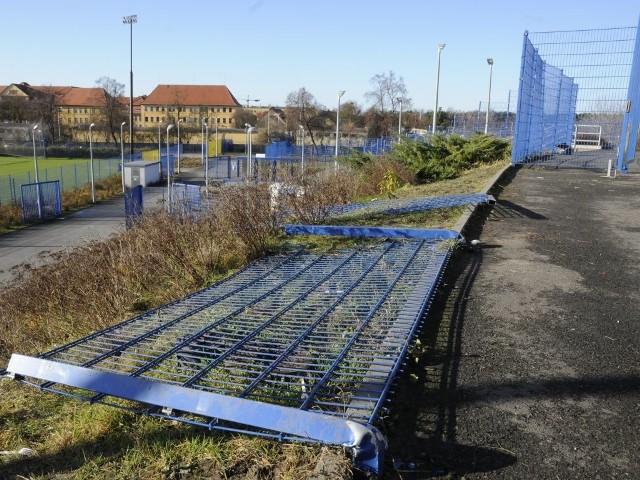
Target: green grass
pixel 22 165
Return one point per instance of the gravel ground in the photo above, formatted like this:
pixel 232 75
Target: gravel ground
pixel 529 366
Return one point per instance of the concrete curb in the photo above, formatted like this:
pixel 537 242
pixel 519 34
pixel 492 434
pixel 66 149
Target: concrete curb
pixel 464 218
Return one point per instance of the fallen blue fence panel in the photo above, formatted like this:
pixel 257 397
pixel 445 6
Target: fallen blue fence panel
pixel 297 346
pixel 400 206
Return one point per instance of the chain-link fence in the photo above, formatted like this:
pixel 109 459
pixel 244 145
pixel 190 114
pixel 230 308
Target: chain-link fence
pixel 573 96
pixel 72 176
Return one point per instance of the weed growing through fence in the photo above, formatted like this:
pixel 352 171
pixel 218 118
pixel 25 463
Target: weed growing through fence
pixel 99 284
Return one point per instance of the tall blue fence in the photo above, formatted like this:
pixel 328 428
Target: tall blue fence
pixel 572 96
pixel 40 200
pixel 72 176
pixel 631 121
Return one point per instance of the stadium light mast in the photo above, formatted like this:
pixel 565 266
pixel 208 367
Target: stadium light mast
pixel 435 110
pixel 486 121
pixel 130 20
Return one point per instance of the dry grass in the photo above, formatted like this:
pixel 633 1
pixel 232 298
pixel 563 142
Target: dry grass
pixel 99 284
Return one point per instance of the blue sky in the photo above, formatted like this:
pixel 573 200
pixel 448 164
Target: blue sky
pixel 266 49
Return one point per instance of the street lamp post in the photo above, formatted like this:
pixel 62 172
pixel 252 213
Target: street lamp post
pixel 179 122
pixel 268 129
pixel 93 183
pixel 335 165
pixel 400 120
pixel 169 127
pixel 122 154
pixel 217 153
pixel 486 121
pixel 130 20
pixel 302 151
pixel 159 145
pixel 206 155
pixel 202 140
pixel 35 153
pixel 249 162
pixel 35 161
pixel 435 110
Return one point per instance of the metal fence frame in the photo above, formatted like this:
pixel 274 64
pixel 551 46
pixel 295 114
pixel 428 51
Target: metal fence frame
pixel 40 200
pixel 571 78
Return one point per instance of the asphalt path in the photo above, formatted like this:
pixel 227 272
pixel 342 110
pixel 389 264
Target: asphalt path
pixel 37 244
pixel 529 364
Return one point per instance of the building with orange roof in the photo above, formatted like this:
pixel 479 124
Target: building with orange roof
pixel 189 104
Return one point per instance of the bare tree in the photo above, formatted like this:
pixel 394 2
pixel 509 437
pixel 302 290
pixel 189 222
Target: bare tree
pixel 303 109
pixel 14 110
pixel 113 112
pixel 388 92
pixel 44 109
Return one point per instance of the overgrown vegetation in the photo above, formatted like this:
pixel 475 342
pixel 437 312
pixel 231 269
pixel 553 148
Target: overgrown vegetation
pixel 437 158
pixel 162 258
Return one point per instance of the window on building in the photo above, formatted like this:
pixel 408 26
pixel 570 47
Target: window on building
pixel 146 119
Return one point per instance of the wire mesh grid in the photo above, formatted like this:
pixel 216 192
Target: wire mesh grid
pixel 573 95
pixel 400 206
pixel 321 333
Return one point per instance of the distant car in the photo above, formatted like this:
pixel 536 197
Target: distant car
pixel 563 149
pixel 9 145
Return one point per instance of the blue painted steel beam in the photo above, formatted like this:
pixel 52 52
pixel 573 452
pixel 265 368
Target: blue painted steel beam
pixel 367 442
pixel 383 232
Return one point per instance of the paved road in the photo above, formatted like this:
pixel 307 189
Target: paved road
pixel 531 363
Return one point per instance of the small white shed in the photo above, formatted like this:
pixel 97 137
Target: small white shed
pixel 141 173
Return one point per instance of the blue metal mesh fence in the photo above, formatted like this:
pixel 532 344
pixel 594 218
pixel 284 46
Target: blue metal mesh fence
pixel 572 96
pixel 631 122
pixel 40 200
pixel 72 176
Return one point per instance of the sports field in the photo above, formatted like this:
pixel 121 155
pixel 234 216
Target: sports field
pixel 71 173
pixel 23 165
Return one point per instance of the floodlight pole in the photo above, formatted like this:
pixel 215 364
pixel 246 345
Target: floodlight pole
pixel 130 20
pixel 435 110
pixel 486 121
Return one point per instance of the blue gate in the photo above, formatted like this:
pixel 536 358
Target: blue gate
pixel 40 200
pixel 133 204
